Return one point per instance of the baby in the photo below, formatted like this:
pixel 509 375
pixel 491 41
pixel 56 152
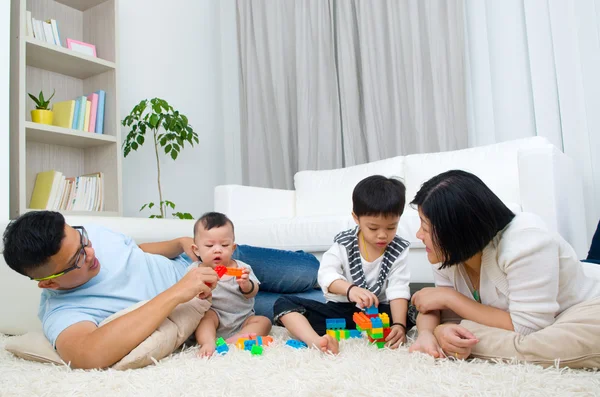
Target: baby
pixel 232 313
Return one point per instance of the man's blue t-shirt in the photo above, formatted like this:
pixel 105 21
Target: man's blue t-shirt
pixel 127 276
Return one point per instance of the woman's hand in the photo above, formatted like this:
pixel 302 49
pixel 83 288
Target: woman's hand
pixel 396 337
pixel 432 298
pixel 363 297
pixel 428 344
pixel 456 341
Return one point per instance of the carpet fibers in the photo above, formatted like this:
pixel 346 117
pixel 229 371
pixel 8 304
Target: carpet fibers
pixel 359 370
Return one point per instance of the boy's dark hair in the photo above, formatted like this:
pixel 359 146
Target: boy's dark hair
pixel 377 195
pixel 464 214
pixel 213 219
pixel 30 240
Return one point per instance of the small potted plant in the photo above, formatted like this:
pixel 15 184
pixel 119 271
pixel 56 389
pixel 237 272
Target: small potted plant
pixel 42 114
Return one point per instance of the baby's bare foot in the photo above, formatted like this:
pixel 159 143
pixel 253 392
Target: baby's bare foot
pixel 327 343
pixel 207 350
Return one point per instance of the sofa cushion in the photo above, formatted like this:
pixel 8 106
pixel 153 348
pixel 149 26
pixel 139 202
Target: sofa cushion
pixel 330 192
pixel 496 165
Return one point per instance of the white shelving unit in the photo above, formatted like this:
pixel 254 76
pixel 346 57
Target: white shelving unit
pixel 37 65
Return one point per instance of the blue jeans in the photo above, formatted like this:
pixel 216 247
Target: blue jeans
pixel 594 254
pixel 280 273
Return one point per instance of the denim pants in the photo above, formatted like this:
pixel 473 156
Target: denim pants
pixel 280 273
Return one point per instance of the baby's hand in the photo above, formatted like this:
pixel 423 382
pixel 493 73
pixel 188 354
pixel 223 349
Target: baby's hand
pixel 244 281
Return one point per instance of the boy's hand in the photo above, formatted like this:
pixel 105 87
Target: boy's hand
pixel 363 297
pixel 244 281
pixel 396 337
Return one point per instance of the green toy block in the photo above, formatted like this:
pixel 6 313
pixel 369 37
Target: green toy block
pixel 221 342
pixel 256 350
pixel 380 345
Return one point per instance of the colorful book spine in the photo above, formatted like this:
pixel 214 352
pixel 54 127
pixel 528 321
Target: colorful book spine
pixel 82 106
pixel 93 98
pixel 100 112
pixel 75 123
pixel 86 120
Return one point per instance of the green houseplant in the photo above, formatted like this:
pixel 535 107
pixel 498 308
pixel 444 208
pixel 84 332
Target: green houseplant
pixel 42 114
pixel 170 130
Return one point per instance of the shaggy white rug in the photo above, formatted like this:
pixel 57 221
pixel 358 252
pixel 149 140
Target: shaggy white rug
pixel 359 370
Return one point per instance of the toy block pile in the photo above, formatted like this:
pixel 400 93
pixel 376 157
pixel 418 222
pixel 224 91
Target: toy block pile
pixel 254 344
pixel 376 325
pixel 336 327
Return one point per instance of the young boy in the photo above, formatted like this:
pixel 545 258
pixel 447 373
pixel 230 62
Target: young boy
pixel 365 266
pixel 232 313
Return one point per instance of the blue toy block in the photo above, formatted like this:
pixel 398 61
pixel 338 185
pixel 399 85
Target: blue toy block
pixel 335 323
pixel 376 322
pixel 355 333
pixel 372 310
pixel 222 349
pixel 248 344
pixel 296 344
pixel 259 341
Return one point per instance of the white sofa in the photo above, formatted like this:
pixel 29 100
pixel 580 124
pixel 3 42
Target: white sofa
pixel 527 174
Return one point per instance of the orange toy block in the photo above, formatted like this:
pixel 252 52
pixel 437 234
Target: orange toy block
pixel 234 271
pixel 362 320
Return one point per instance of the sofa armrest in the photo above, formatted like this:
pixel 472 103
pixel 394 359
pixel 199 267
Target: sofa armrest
pixel 244 203
pixel 551 188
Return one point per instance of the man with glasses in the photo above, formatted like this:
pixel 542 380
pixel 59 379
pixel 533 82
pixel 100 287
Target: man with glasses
pixel 88 273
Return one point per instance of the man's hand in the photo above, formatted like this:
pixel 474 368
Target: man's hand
pixel 455 340
pixel 396 337
pixel 433 298
pixel 194 283
pixel 244 281
pixel 363 297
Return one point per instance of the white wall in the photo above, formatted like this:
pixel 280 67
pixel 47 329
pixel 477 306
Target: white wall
pixel 4 106
pixel 175 51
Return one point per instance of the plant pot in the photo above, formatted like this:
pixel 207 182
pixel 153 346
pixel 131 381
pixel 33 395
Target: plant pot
pixel 42 116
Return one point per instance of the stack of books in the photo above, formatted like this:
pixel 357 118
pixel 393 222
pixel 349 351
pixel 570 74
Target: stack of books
pixel 53 191
pixel 43 30
pixel 85 113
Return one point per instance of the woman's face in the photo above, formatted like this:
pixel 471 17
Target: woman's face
pixel 425 235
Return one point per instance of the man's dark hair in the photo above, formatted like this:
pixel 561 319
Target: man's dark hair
pixel 464 214
pixel 30 240
pixel 377 195
pixel 213 219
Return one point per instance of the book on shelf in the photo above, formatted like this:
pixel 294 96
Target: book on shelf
pixel 84 113
pixel 64 113
pixel 100 111
pixel 53 191
pixel 55 34
pixel 88 110
pixel 29 24
pixel 43 30
pixel 93 99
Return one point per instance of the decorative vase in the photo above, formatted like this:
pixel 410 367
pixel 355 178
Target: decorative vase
pixel 42 116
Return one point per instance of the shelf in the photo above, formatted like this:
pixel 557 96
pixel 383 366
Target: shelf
pixel 81 5
pixel 64 61
pixel 82 213
pixel 49 134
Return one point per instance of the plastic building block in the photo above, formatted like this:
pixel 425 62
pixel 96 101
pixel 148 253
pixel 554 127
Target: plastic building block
pixel 256 350
pixel 240 343
pixel 249 344
pixel 372 310
pixel 376 322
pixel 376 333
pixel 355 333
pixel 385 319
pixel 335 323
pixel 362 321
pixel 386 332
pixel 296 344
pixel 221 270
pixel 332 333
pixel 220 341
pixel 380 345
pixel 234 271
pixel 222 349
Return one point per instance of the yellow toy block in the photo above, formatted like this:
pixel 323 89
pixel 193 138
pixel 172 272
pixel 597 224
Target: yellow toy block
pixel 240 343
pixel 385 319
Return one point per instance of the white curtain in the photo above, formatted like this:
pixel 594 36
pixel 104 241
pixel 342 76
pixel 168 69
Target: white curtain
pixel 400 68
pixel 289 107
pixel 533 68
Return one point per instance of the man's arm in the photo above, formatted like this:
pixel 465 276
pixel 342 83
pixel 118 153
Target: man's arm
pixel 85 345
pixel 171 248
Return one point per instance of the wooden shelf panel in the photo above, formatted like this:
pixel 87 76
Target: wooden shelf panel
pixel 81 5
pixel 64 61
pixel 53 135
pixel 82 213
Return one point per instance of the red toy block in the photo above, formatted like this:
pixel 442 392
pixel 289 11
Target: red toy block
pixel 221 270
pixel 386 332
pixel 234 271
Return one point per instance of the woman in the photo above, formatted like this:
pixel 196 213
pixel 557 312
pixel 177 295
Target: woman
pixel 492 267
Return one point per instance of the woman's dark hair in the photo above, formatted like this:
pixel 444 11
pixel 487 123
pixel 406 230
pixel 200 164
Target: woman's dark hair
pixel 30 240
pixel 464 214
pixel 377 195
